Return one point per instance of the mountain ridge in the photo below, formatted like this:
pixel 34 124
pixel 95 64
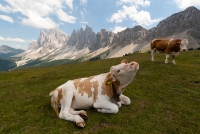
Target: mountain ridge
pixel 6 51
pixel 85 44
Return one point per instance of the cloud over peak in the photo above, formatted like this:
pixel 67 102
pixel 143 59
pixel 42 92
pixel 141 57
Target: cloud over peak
pixel 183 4
pixel 130 10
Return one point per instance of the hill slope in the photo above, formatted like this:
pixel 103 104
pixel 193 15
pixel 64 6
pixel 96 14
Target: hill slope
pixel 6 51
pixel 165 98
pixel 7 64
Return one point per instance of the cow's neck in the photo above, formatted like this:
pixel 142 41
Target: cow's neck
pixel 115 88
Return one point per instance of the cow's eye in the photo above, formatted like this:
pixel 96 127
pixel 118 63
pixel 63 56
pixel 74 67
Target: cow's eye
pixel 118 71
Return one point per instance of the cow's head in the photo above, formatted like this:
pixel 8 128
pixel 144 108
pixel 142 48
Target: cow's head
pixel 124 73
pixel 183 45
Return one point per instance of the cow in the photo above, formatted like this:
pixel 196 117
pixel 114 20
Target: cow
pixel 102 92
pixel 170 46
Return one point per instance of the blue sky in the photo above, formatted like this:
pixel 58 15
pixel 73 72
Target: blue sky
pixel 22 20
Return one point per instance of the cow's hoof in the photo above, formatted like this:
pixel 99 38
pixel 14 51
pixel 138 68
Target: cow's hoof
pixel 80 124
pixel 97 109
pixel 83 115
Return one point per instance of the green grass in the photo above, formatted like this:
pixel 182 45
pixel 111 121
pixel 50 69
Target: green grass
pixel 165 98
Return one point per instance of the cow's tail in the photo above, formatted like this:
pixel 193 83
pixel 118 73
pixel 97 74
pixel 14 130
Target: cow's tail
pixel 54 104
pixel 51 93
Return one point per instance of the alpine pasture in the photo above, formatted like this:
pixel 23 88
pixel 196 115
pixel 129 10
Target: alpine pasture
pixel 165 98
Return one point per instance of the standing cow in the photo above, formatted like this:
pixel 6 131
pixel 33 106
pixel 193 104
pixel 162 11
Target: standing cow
pixel 170 46
pixel 103 92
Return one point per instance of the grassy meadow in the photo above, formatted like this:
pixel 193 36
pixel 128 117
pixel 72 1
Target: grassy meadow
pixel 165 98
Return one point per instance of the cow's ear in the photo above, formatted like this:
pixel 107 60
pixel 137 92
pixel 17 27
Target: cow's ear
pixel 124 61
pixel 109 81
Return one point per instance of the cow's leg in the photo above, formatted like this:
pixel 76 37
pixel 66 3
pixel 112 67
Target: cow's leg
pixel 65 110
pixel 166 60
pixel 125 100
pixel 82 113
pixel 153 51
pixel 173 59
pixel 106 107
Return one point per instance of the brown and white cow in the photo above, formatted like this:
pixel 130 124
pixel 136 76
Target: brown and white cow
pixel 170 46
pixel 102 92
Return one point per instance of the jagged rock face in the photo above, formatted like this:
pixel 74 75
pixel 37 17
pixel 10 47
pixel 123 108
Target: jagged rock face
pixel 195 32
pixel 42 38
pixel 81 39
pixel 49 40
pixel 102 39
pixel 130 35
pixel 33 45
pixel 176 23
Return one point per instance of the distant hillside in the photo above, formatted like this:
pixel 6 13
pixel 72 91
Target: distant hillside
pixel 6 51
pixel 7 64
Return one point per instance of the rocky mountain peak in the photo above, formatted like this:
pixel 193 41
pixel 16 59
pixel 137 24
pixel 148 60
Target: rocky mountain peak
pixel 81 38
pixel 33 45
pixel 176 23
pixel 191 9
pixel 191 13
pixel 49 39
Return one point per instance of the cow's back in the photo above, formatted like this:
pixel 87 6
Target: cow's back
pixel 86 91
pixel 160 44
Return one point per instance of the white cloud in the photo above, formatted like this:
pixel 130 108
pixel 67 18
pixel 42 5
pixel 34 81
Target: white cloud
pixel 69 3
pixel 82 15
pixel 18 46
pixel 119 16
pixel 143 3
pixel 118 29
pixel 84 22
pixel 130 11
pixel 6 18
pixel 63 16
pixel 41 10
pixel 35 20
pixel 143 18
pixel 12 39
pixel 29 41
pixel 182 4
pixel 6 8
pixel 83 2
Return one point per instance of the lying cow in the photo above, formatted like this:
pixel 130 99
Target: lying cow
pixel 170 46
pixel 102 92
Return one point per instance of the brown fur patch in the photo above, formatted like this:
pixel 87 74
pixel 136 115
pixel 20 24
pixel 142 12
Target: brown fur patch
pixel 55 100
pixel 60 96
pixel 124 61
pixel 95 86
pixel 107 87
pixel 85 86
pixel 167 45
pixel 174 46
pixel 160 44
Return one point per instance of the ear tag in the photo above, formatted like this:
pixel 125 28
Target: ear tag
pixel 108 82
